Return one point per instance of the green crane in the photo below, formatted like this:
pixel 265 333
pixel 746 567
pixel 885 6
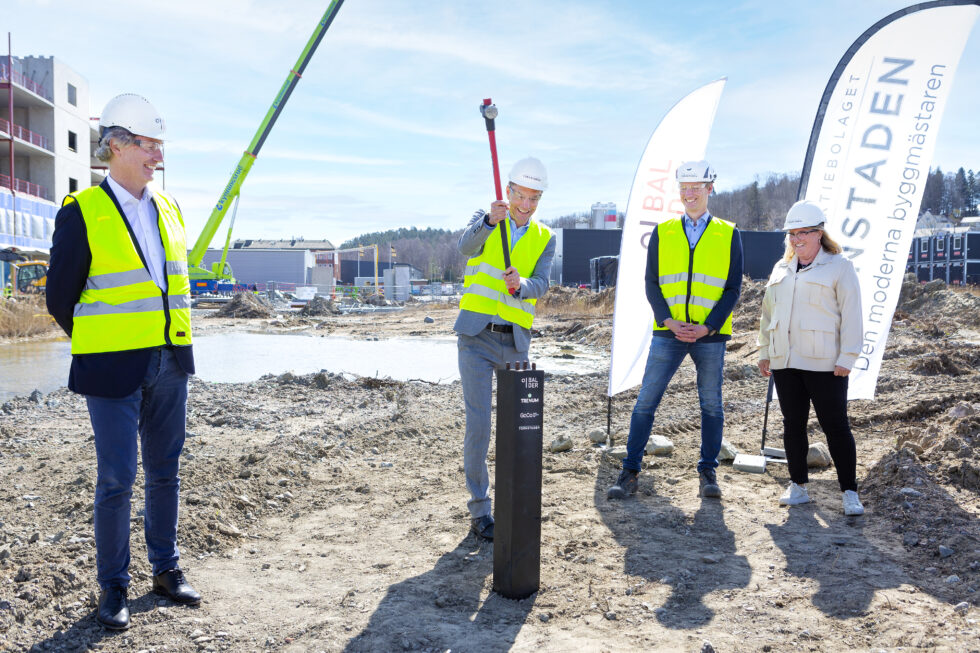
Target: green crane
pixel 202 279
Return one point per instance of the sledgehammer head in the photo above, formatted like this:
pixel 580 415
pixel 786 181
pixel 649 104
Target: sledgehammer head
pixel 751 464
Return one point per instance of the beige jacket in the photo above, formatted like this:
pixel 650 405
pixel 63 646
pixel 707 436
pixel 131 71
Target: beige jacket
pixel 811 319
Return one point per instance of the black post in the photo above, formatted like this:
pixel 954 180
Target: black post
pixel 608 419
pixel 765 421
pixel 517 492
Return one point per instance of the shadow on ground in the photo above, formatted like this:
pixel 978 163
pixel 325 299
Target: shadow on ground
pixel 694 556
pixel 441 608
pixel 88 634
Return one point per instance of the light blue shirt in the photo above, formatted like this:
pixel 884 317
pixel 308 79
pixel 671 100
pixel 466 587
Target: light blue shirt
pixel 515 231
pixel 515 235
pixel 693 229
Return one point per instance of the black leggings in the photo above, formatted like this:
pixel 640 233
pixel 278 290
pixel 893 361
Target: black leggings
pixel 796 389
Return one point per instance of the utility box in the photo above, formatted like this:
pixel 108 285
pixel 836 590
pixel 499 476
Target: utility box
pixel 972 239
pixel 923 272
pixel 957 273
pixel 517 483
pixel 957 247
pixel 973 272
pixel 940 248
pixel 923 250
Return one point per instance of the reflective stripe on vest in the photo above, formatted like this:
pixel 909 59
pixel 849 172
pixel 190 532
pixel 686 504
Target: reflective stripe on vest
pixel 120 307
pixel 692 281
pixel 484 290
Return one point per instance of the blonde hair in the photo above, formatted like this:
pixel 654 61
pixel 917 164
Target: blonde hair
pixel 828 244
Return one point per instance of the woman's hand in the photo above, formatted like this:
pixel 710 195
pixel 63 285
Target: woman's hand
pixel 764 367
pixel 841 371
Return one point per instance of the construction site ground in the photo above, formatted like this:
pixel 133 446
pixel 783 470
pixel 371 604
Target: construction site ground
pixel 328 513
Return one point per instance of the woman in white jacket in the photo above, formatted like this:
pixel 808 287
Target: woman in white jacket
pixel 809 339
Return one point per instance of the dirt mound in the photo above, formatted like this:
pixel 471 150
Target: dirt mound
pixel 950 448
pixel 945 307
pixel 561 299
pixel 245 304
pixel 319 306
pixel 375 300
pixel 749 307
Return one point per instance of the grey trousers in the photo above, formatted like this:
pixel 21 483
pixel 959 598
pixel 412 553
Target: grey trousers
pixel 479 356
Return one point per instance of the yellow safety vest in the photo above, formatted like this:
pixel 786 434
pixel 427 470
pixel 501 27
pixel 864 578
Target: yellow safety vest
pixel 484 290
pixel 120 308
pixel 692 280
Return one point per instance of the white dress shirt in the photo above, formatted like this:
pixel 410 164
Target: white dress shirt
pixel 142 217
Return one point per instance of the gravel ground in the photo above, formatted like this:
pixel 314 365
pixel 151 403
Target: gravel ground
pixel 327 512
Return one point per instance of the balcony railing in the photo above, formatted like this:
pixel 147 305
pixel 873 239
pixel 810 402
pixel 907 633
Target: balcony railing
pixel 29 84
pixel 26 187
pixel 25 134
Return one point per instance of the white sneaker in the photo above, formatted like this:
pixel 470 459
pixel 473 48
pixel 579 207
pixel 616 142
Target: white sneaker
pixel 852 504
pixel 794 496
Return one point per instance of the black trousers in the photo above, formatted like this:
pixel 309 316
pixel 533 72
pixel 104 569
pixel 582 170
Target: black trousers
pixel 796 390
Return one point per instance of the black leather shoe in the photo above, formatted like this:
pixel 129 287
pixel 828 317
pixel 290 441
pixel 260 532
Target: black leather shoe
pixel 709 485
pixel 113 609
pixel 175 587
pixel 483 527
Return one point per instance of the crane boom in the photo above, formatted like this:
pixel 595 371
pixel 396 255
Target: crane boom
pixel 248 158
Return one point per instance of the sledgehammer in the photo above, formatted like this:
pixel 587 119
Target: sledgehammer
pixel 489 112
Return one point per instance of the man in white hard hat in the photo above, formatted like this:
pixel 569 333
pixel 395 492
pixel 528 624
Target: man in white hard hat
pixel 496 313
pixel 693 280
pixel 118 286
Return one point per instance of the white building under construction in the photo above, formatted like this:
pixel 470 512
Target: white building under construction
pixel 46 141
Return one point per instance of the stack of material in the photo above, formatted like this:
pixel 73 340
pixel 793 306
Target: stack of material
pixel 319 306
pixel 247 305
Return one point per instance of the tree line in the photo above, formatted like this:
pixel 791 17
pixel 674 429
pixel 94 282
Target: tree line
pixel 759 206
pixel 762 206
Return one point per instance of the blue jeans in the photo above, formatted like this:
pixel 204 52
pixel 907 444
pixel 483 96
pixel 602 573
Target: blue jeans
pixel 154 414
pixel 666 355
pixel 479 356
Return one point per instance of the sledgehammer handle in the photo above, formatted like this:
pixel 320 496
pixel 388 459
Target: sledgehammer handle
pixel 491 133
pixel 765 420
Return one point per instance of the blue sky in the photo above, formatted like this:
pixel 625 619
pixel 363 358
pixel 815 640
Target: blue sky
pixel 384 131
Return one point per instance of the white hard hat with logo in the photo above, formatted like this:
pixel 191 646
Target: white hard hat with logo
pixel 530 173
pixel 695 171
pixel 804 213
pixel 135 114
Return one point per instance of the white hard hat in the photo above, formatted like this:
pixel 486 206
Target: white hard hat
pixel 530 173
pixel 694 171
pixel 135 114
pixel 804 213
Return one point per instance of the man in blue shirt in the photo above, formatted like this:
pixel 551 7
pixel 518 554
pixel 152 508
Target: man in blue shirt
pixel 692 306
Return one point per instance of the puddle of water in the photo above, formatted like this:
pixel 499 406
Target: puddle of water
pixel 242 357
pixel 26 366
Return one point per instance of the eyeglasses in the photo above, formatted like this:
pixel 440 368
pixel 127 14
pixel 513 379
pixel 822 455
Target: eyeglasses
pixel 689 187
pixel 805 232
pixel 520 197
pixel 150 147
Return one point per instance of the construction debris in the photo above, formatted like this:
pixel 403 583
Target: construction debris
pixel 319 306
pixel 245 304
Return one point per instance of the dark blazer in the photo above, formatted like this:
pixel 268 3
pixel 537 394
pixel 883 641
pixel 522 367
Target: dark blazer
pixel 113 374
